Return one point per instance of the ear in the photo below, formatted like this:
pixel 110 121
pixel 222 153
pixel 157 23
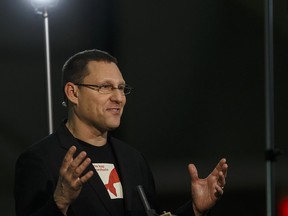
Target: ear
pixel 71 91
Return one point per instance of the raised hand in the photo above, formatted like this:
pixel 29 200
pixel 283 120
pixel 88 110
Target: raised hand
pixel 206 192
pixel 70 179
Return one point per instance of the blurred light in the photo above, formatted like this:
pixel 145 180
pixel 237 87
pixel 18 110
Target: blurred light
pixel 38 4
pixel 283 207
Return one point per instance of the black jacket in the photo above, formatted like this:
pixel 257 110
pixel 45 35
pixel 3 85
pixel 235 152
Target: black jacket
pixel 37 172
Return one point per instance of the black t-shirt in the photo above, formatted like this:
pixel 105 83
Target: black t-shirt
pixel 105 164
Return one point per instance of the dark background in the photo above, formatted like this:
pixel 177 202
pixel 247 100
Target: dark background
pixel 198 72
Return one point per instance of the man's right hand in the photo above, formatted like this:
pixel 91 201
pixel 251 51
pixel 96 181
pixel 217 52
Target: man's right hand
pixel 70 180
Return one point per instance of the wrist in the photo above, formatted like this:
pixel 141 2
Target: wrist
pixel 197 212
pixel 62 204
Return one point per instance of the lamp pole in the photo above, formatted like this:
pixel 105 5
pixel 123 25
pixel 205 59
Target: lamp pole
pixel 41 8
pixel 48 71
pixel 271 153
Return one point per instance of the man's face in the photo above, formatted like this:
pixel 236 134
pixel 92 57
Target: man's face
pixel 98 110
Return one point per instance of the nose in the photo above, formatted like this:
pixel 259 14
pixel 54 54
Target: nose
pixel 117 95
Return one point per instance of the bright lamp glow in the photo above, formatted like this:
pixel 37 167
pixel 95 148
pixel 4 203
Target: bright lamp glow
pixel 44 3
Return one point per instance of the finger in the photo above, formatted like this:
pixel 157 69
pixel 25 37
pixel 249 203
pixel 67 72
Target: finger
pixel 225 169
pixel 219 191
pixel 221 180
pixel 219 166
pixel 86 177
pixel 221 163
pixel 193 172
pixel 222 175
pixel 79 170
pixel 77 161
pixel 82 180
pixel 68 158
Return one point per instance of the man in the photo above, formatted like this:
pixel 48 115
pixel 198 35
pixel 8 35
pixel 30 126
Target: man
pixel 80 170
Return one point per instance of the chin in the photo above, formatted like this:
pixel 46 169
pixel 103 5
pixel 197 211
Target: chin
pixel 112 127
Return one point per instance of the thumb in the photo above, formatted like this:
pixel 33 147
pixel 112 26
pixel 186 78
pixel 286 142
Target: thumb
pixel 193 172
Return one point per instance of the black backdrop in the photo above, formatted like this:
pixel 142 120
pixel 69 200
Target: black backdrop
pixel 197 68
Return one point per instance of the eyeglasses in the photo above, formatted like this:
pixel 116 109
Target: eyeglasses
pixel 107 88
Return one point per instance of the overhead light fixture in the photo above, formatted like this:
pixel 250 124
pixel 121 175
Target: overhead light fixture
pixel 42 4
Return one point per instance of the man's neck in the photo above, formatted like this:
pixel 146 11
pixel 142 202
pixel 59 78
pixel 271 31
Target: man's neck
pixel 87 134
